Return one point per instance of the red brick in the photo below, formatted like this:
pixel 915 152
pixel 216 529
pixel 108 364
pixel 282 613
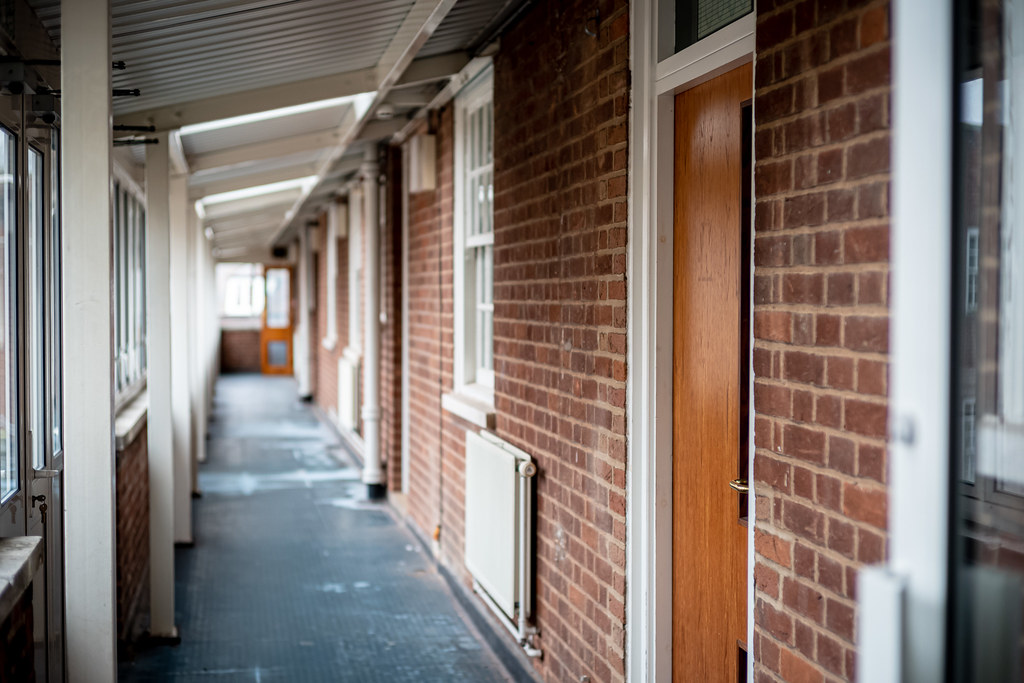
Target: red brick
pixel 867 245
pixel 865 503
pixel 868 419
pixel 863 333
pixel 874 26
pixel 772 326
pixel 797 670
pixel 868 158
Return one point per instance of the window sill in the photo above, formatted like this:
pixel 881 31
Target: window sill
pixel 20 559
pixel 469 408
pixel 130 420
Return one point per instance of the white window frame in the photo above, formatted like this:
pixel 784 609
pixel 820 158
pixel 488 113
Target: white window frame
pixel 129 224
pixel 470 379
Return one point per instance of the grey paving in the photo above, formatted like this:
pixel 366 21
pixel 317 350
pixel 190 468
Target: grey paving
pixel 294 576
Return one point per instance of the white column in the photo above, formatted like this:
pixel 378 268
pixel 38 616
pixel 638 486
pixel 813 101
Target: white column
pixel 197 349
pixel 195 332
pixel 180 404
pixel 300 351
pixel 213 326
pixel 89 509
pixel 159 424
pixel 373 473
pixel 356 256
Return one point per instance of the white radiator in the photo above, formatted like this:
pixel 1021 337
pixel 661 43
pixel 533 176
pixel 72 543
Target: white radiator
pixel 348 393
pixel 499 528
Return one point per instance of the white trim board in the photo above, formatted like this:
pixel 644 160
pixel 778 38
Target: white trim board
pixel 920 324
pixel 649 393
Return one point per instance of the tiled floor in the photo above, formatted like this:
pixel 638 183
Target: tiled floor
pixel 294 576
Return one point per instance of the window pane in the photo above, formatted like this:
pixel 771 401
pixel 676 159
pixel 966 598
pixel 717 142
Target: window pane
pixel 56 305
pixel 8 457
pixel 987 478
pixel 36 274
pixel 697 19
pixel 142 287
pixel 117 286
pixel 277 354
pixel 278 298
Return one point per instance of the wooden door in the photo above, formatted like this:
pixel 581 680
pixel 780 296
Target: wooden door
pixel 710 379
pixel 276 334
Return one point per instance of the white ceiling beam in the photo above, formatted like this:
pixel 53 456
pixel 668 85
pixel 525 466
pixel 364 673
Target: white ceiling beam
pixel 261 151
pixel 260 203
pixel 409 98
pixel 416 29
pixel 244 228
pixel 245 240
pixel 198 190
pixel 177 153
pixel 260 254
pixel 378 130
pixel 443 96
pixel 255 100
pixel 432 69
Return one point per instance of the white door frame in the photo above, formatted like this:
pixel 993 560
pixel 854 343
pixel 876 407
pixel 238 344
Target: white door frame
pixel 649 411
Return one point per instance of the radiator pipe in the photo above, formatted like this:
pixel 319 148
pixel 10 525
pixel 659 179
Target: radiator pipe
pixel 373 473
pixel 526 471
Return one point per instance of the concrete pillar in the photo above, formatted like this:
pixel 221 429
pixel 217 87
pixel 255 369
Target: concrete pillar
pixel 180 397
pixel 159 424
pixel 373 473
pixel 89 523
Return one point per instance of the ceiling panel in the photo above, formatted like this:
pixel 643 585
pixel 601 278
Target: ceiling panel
pixel 187 51
pixel 183 51
pixel 467 24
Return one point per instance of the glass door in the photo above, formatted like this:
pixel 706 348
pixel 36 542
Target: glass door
pixel 276 335
pixel 986 615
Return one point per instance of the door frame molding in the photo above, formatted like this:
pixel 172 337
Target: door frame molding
pixel 649 323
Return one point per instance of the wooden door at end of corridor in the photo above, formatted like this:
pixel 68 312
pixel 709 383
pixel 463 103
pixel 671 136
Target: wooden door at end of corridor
pixel 276 333
pixel 710 379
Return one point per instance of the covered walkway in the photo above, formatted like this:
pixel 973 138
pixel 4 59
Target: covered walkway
pixel 294 576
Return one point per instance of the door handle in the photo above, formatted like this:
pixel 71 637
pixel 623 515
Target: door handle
pixel 740 485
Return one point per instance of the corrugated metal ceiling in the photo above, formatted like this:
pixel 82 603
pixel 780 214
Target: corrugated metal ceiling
pixel 183 52
pixel 180 52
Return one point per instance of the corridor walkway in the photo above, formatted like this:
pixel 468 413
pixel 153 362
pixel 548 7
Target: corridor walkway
pixel 294 576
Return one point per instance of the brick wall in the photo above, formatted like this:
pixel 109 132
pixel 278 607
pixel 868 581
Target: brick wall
pixel 326 392
pixel 391 329
pixel 132 483
pixel 17 654
pixel 239 350
pixel 561 117
pixel 424 338
pixel 822 118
